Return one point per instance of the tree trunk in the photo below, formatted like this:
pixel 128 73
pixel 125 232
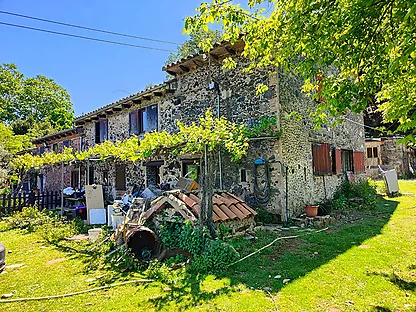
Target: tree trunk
pixel 207 178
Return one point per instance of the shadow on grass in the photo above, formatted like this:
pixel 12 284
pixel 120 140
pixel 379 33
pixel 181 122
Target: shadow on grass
pixel 287 259
pixel 293 259
pixel 188 294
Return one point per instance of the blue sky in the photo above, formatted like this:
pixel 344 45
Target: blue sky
pixel 94 73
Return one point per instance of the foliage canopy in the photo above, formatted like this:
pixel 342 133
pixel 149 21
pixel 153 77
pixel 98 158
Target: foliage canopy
pixel 33 100
pixel 363 52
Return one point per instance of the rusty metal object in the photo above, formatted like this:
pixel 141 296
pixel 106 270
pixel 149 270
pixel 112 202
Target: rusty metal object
pixel 142 242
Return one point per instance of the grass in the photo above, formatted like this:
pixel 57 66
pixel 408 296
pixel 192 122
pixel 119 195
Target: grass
pixel 365 265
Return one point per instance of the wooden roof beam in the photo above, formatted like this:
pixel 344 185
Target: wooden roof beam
pixel 230 50
pixel 116 109
pixel 157 94
pixel 170 72
pixel 127 105
pixel 137 101
pixel 215 57
pixel 184 68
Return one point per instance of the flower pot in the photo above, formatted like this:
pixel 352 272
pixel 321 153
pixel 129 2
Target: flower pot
pixel 311 211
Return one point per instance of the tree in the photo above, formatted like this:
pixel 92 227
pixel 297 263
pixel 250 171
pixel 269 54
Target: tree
pixel 27 101
pixel 10 144
pixel 353 53
pixel 192 45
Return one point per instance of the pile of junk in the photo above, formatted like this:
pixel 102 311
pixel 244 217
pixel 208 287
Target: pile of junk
pixel 129 214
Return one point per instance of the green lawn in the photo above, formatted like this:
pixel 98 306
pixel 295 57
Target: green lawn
pixel 366 265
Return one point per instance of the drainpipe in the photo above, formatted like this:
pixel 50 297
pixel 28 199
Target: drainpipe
pixel 62 189
pixel 287 194
pixel 219 152
pixel 87 178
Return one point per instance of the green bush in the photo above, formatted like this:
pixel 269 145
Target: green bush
pixel 208 255
pixel 355 196
pixel 263 216
pixel 50 225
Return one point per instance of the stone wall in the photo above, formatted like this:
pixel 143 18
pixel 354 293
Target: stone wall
pixel 393 155
pixel 238 102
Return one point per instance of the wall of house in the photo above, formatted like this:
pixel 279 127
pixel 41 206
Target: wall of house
pixel 296 145
pixel 392 156
pixel 239 103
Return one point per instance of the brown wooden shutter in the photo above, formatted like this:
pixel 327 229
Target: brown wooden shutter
pixel 359 166
pixel 338 161
pixel 321 155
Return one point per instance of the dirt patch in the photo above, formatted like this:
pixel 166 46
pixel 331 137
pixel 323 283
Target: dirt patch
pixel 54 261
pixel 285 246
pixel 78 237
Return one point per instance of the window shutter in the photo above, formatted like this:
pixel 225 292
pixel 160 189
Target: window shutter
pixel 359 166
pixel 97 132
pixel 134 123
pixel 321 154
pixel 338 161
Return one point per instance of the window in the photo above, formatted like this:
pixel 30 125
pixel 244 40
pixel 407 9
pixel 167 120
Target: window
pixel 334 160
pixel 375 152
pixel 42 149
pixel 372 152
pixel 67 143
pixel 120 177
pixel 101 131
pixel 243 175
pixel 55 147
pixel 105 178
pixel 75 179
pixel 143 120
pixel 347 160
pixel 153 172
pixel 321 155
pixel 91 176
pixel 190 169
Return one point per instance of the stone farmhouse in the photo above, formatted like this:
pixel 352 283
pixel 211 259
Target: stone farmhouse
pixel 281 174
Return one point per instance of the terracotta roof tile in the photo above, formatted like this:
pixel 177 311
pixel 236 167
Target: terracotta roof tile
pixel 226 206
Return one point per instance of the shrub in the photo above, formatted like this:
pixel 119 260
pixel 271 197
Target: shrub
pixel 263 216
pixel 208 255
pixel 50 225
pixel 359 196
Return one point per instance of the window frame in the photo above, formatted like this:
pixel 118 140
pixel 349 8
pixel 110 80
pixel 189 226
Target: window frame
pixel 101 135
pixel 349 162
pixel 191 162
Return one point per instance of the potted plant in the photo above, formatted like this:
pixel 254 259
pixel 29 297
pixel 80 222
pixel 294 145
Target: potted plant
pixel 311 210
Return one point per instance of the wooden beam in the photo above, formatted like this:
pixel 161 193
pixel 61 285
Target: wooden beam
pixel 109 112
pixel 137 101
pixel 184 68
pixel 80 123
pixel 95 118
pixel 170 72
pixel 147 98
pixel 116 109
pixel 157 93
pixel 215 57
pixel 126 105
pixel 230 50
pixel 102 116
